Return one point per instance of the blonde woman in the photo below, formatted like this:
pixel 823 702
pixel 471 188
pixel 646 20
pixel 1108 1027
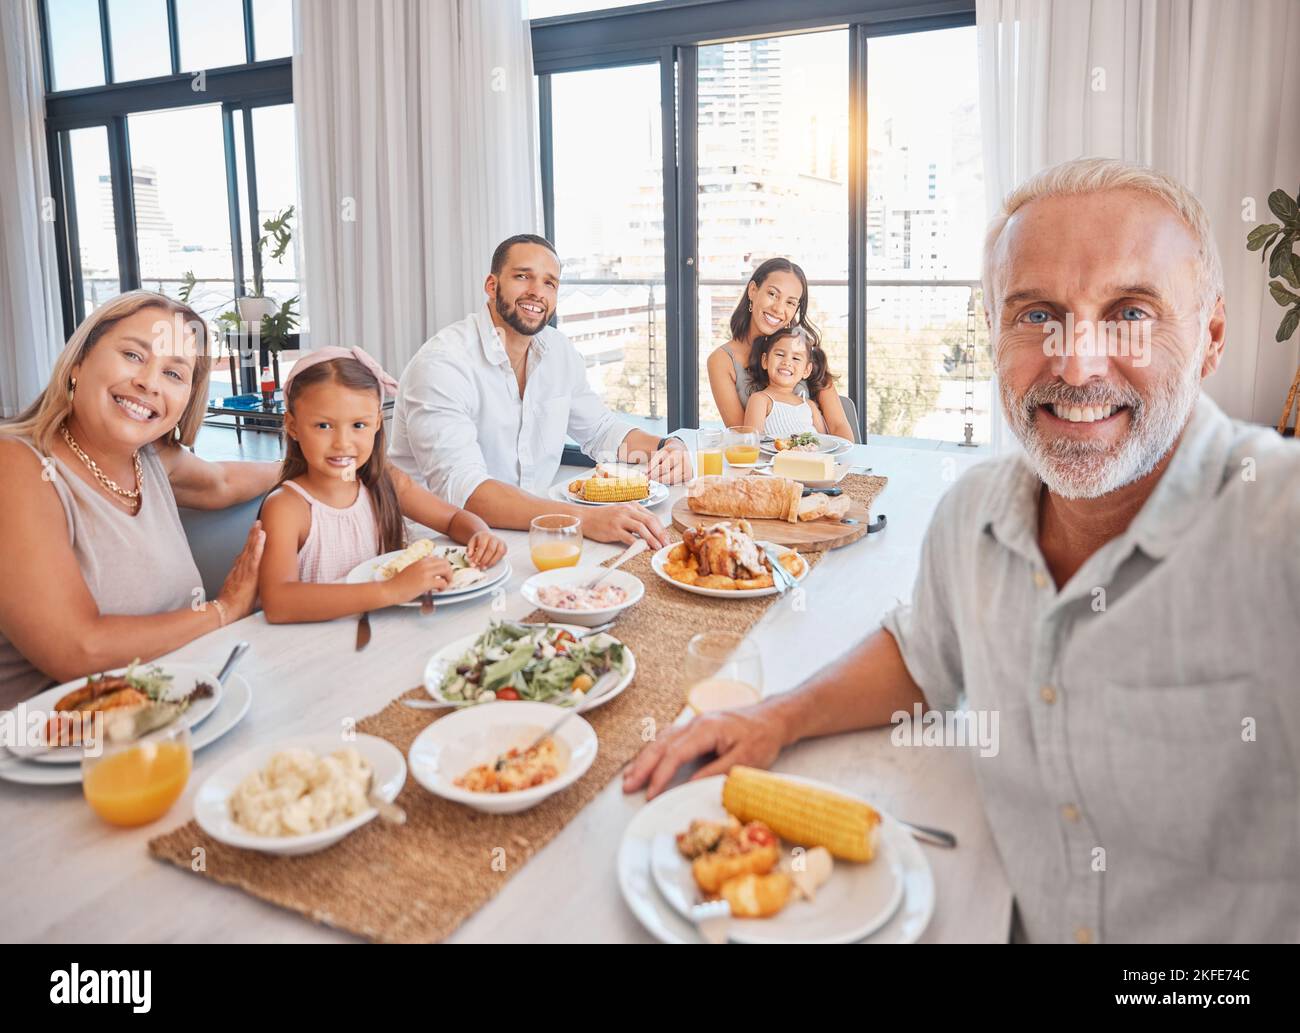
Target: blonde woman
pixel 97 567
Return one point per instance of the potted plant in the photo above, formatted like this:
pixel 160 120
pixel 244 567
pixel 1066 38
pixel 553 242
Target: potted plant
pixel 1284 273
pixel 275 321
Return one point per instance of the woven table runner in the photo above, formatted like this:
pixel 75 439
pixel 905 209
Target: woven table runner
pixel 417 882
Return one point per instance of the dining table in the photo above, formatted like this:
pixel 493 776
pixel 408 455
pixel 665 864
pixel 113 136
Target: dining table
pixel 66 876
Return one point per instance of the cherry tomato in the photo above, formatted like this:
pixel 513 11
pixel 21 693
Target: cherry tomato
pixel 509 692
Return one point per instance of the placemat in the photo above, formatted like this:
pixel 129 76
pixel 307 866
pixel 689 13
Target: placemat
pixel 417 882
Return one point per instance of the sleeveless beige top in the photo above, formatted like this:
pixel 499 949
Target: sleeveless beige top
pixel 133 565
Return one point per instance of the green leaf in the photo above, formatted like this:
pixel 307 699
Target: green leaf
pixel 1292 272
pixel 1289 322
pixel 1256 238
pixel 188 283
pixel 1281 205
pixel 1281 256
pixel 1283 296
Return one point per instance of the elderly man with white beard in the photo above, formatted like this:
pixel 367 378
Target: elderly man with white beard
pixel 1124 596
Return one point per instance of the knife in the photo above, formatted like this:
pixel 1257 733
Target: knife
pixel 823 491
pixel 363 631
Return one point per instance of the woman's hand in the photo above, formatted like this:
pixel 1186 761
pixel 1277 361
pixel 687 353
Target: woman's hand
pixel 430 574
pixel 239 592
pixel 484 549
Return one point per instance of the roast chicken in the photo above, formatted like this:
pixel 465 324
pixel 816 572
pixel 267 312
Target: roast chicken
pixel 727 549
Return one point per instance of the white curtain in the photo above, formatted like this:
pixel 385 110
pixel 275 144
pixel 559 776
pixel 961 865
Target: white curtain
pixel 417 154
pixel 1206 91
pixel 30 320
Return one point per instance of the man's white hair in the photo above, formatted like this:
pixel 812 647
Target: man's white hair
pixel 1094 175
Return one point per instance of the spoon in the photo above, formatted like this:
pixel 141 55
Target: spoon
pixel 635 549
pixel 388 812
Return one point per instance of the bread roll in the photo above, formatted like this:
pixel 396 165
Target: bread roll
pixel 753 498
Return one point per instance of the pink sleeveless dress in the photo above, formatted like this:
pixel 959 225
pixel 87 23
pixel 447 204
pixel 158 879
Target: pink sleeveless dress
pixel 339 539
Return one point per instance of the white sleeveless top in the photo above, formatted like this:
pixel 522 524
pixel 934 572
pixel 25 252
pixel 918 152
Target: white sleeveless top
pixel 786 419
pixel 339 539
pixel 133 565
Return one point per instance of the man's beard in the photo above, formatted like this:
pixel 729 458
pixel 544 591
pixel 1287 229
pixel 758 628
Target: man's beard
pixel 1075 469
pixel 516 319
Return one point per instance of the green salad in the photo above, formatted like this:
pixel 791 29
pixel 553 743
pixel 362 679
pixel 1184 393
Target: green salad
pixel 536 662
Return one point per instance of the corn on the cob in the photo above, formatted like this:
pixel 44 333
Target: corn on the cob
pixel 803 814
pixel 615 489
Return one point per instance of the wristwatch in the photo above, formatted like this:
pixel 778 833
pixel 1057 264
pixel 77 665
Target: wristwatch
pixel 664 441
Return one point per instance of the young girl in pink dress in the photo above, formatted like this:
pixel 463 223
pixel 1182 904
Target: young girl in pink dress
pixel 339 502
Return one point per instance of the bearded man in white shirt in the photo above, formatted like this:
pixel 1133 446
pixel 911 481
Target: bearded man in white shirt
pixel 483 409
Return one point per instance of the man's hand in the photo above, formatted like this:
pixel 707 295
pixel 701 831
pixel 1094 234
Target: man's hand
pixel 624 522
pixel 670 464
pixel 752 736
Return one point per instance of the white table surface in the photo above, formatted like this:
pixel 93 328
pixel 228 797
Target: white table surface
pixel 67 877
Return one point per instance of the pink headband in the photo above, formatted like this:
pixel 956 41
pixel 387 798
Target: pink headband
pixel 387 385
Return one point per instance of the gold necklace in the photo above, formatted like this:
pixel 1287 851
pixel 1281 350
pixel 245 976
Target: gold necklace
pixel 132 497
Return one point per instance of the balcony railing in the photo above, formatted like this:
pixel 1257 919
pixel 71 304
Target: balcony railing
pixel 927 366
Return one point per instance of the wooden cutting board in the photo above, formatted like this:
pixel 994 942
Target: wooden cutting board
pixel 807 536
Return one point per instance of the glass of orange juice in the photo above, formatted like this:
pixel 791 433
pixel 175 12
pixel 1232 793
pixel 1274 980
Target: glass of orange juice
pixel 136 782
pixel 724 670
pixel 555 540
pixel 741 445
pixel 708 451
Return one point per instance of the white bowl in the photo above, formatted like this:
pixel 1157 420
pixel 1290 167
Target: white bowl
pixel 630 583
pixel 452 745
pixel 212 801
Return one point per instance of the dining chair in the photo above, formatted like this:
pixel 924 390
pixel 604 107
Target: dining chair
pixel 215 537
pixel 851 411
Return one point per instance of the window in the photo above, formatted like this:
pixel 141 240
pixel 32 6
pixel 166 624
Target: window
pixel 211 33
pixel 773 117
pixel 182 224
pixel 159 179
pixel 928 360
pixel 608 216
pixel 90 203
pixel 138 31
pixel 76 44
pixel 799 133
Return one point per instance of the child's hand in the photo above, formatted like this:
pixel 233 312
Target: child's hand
pixel 485 549
pixel 431 574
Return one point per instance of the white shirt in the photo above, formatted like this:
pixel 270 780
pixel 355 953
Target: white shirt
pixel 1146 787
pixel 459 420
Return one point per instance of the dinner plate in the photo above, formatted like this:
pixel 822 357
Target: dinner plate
pixel 836 446
pixel 212 801
pixel 672 812
pixel 367 571
pixel 659 560
pixel 658 495
pixel 236 698
pixel 184 678
pixel 436 668
pixel 856 901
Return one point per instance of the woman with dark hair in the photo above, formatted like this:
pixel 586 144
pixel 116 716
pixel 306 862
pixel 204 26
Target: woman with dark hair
pixel 775 297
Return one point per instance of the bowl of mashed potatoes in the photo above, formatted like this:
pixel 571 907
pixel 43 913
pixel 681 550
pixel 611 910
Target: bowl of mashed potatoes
pixel 300 795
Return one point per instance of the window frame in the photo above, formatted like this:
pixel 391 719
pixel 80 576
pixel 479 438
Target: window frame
pixel 670 32
pixel 236 88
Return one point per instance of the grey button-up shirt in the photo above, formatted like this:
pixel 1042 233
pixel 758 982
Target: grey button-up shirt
pixel 1146 785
